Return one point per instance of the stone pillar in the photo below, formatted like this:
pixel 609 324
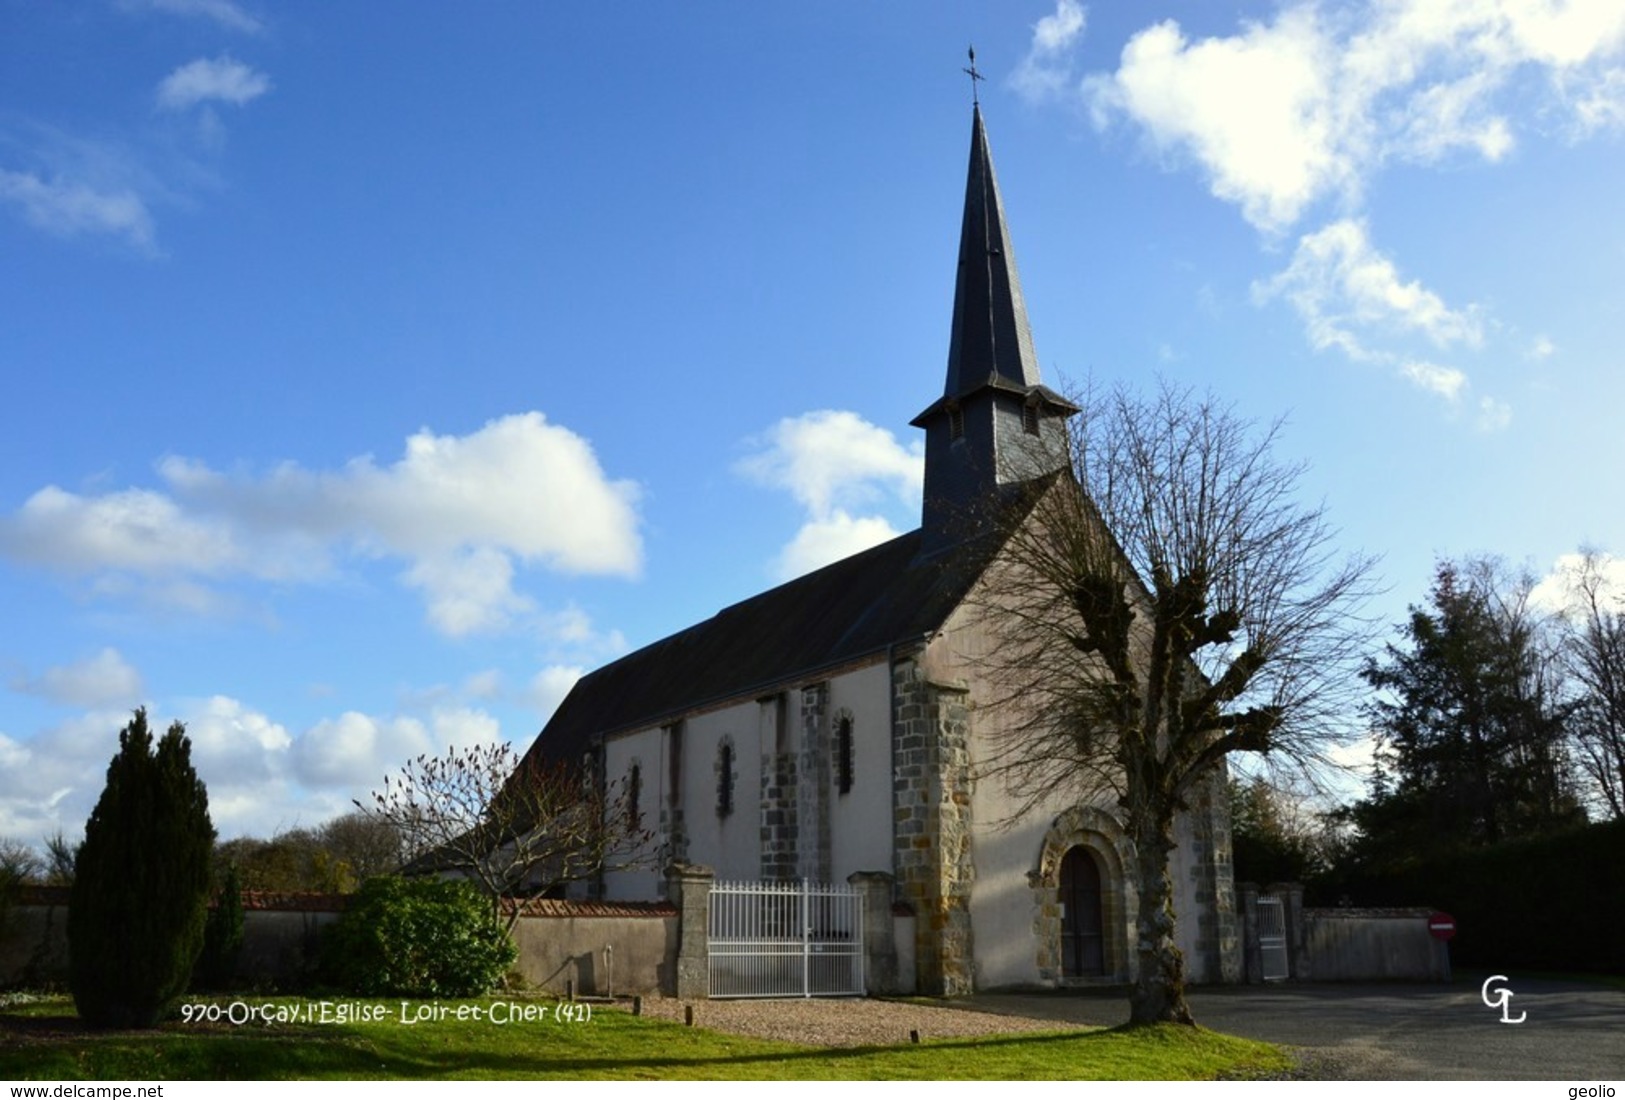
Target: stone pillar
pixel 813 858
pixel 1252 956
pixel 879 935
pixel 779 812
pixel 931 820
pixel 689 886
pixel 1213 880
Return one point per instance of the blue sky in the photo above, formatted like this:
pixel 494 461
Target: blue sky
pixel 371 372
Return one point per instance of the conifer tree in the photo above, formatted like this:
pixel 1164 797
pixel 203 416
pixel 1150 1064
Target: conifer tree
pixel 141 882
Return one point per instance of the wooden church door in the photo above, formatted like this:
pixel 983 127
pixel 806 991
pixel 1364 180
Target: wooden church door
pixel 1083 947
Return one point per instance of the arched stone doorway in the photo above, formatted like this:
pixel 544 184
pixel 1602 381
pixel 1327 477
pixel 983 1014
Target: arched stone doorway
pixel 1083 940
pixel 1084 899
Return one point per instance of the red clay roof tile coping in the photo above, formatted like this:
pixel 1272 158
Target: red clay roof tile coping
pixel 308 902
pixel 554 907
pixel 1369 913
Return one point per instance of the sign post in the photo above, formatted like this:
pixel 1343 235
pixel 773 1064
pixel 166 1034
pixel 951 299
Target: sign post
pixel 1441 926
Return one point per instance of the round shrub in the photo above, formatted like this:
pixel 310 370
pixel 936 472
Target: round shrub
pixel 418 937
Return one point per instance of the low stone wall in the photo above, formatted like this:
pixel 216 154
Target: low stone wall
pixel 281 937
pixel 1347 945
pixel 562 944
pixel 588 948
pixel 598 949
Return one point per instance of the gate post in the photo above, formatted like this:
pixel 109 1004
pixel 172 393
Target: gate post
pixel 1253 966
pixel 689 885
pixel 879 935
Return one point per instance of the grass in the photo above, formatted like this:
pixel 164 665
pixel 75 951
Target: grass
pixel 42 1040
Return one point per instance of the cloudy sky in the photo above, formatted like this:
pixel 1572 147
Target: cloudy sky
pixel 370 374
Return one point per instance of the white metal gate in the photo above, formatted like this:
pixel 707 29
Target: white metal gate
pixel 1272 938
pixel 786 939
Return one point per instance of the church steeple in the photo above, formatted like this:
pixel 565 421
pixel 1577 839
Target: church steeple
pixel 995 423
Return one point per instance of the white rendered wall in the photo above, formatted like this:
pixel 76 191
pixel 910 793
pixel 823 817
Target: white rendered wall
pixel 861 819
pixel 646 748
pixel 729 845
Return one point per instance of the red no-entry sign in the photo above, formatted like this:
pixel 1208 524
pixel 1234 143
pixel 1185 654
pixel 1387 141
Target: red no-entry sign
pixel 1442 926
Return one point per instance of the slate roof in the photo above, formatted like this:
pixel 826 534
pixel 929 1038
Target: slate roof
pixel 853 609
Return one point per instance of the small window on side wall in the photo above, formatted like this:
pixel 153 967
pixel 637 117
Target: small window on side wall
pixel 1029 419
pixel 843 756
pixel 956 423
pixel 634 795
pixel 725 778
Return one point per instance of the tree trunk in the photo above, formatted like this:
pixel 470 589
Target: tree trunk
pixel 1159 987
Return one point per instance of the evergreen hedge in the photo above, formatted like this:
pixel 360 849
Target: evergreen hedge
pixel 1546 903
pixel 141 883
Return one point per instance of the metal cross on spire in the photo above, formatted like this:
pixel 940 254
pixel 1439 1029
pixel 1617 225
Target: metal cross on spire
pixel 974 77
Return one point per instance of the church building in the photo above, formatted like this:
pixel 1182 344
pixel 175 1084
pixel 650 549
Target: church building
pixel 838 724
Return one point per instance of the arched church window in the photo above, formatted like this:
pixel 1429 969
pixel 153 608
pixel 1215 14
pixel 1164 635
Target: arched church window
pixel 843 755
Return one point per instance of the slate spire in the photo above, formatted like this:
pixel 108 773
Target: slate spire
pixel 995 424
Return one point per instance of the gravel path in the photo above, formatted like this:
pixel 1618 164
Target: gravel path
pixel 843 1022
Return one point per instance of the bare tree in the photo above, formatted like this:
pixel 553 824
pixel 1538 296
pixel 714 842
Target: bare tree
pixel 60 856
pixel 1181 607
pixel 517 827
pixel 1596 659
pixel 364 844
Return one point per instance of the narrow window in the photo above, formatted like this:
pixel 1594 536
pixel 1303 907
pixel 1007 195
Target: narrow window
pixel 1029 419
pixel 956 423
pixel 725 779
pixel 843 756
pixel 634 794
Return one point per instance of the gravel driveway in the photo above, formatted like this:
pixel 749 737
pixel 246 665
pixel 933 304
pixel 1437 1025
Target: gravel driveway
pixel 847 1022
pixel 1574 1031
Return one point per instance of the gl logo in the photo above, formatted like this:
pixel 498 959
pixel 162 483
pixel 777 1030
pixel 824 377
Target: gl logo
pixel 1501 998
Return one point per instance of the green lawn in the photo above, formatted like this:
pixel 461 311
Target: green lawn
pixel 42 1041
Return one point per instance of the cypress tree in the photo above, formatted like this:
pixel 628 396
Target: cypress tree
pixel 141 883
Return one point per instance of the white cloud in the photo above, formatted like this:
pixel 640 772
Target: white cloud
pixel 470 592
pixel 233 746
pixel 464 727
pixel 67 208
pixel 356 750
pixel 833 462
pixel 136 530
pixel 1541 348
pixel 1351 297
pixel 223 79
pixel 1447 382
pixel 462 510
pixel 224 12
pixel 1557 590
pixel 483 685
pixel 1493 414
pixel 1342 286
pixel 1310 104
pixel 548 687
pixel 104 680
pixel 829 539
pixel 1255 110
pixel 1046 70
pixel 1302 110
pixel 831 458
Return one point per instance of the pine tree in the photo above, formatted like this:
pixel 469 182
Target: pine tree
pixel 141 883
pixel 1471 724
